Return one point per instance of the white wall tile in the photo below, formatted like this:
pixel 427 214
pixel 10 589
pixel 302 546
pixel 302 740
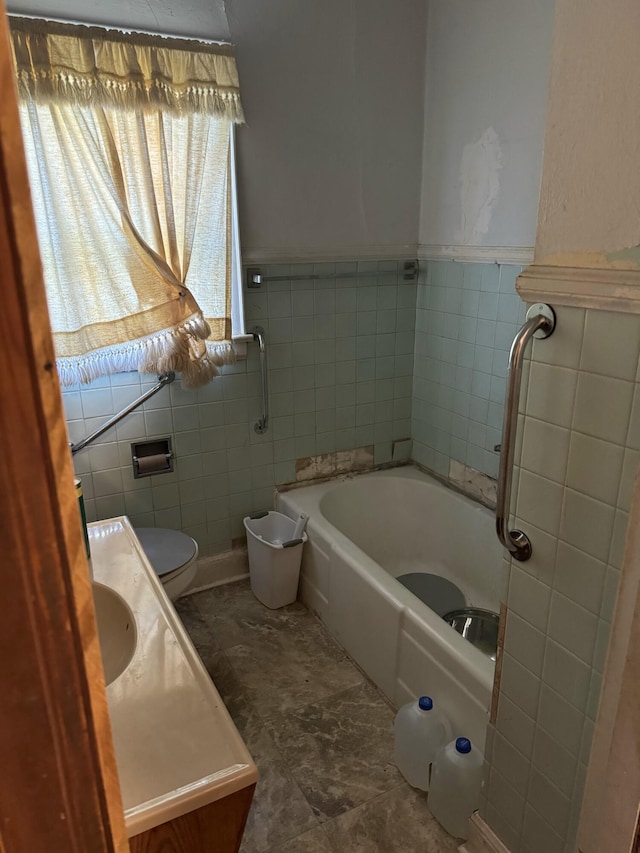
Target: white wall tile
pixel 572 627
pixel 510 763
pixel 611 344
pixel 107 482
pixel 594 694
pixel 554 761
pixel 616 551
pixel 529 598
pixel 520 685
pixel 630 467
pixel 610 592
pixel 96 402
pixel 568 675
pixel 582 379
pixel 103 456
pixel 562 720
pixel 516 726
pixel 587 524
pixel 525 643
pixel 579 576
pixel 563 347
pixel 539 502
pixel 602 645
pixel 538 836
pixel 551 393
pixel 509 836
pixel 504 798
pixel 72 402
pixel 549 802
pixel 595 467
pixel 603 407
pixel 545 449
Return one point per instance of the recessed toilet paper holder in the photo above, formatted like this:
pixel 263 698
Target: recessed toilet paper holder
pixel 151 457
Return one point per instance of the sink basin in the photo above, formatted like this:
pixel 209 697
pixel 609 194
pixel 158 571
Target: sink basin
pixel 116 631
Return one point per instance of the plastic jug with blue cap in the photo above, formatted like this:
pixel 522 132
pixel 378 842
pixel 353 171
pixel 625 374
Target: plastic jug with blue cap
pixel 420 730
pixel 456 785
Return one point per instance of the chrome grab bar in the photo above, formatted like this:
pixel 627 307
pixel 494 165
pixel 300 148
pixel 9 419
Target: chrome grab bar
pixel 263 422
pixel 541 322
pixel 163 379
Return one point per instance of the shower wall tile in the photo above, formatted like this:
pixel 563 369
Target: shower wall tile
pixel 578 460
pixel 466 318
pixel 340 356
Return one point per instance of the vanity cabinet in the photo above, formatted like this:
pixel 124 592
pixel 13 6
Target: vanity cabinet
pixel 216 828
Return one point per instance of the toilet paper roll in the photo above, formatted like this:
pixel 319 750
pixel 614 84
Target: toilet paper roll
pixel 153 464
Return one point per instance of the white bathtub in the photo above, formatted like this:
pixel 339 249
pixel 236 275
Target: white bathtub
pixel 367 530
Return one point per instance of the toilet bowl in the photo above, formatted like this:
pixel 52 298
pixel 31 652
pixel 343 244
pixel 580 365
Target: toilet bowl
pixel 173 556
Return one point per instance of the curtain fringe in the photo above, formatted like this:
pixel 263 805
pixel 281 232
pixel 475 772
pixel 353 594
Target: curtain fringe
pixel 182 349
pixel 56 87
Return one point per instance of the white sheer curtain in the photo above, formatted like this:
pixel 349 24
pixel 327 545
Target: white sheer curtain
pixel 134 218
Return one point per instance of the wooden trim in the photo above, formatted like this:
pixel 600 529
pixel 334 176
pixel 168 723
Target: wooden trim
pixel 59 786
pixel 601 289
pixel 215 828
pixel 608 820
pixel 519 255
pixel 481 838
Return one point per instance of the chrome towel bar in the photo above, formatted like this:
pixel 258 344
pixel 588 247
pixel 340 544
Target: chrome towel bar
pixel 256 279
pixel 263 422
pixel 163 379
pixel 541 322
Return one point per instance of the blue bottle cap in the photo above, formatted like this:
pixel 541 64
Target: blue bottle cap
pixel 425 703
pixel 463 745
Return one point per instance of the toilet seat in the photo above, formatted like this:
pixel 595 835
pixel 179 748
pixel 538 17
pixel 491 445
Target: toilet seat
pixel 170 552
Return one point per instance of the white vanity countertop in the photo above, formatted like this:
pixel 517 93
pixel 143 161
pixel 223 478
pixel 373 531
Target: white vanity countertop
pixel 176 746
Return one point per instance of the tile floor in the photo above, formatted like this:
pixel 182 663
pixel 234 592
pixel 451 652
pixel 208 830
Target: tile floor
pixel 319 731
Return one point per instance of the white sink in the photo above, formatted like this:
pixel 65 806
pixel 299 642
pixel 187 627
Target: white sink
pixel 116 631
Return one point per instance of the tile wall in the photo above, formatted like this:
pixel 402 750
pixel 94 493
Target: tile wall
pixel 467 316
pixel 579 455
pixel 340 373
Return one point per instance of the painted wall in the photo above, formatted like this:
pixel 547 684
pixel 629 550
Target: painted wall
pixel 589 214
pixel 203 18
pixel 486 88
pixel 334 96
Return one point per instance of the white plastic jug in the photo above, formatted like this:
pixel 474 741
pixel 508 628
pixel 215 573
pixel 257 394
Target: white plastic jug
pixel 420 730
pixel 456 783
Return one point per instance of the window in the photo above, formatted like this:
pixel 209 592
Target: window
pixel 130 152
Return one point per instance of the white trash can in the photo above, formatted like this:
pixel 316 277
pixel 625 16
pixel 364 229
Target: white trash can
pixel 274 558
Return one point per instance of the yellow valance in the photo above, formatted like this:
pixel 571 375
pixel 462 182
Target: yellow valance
pixel 92 66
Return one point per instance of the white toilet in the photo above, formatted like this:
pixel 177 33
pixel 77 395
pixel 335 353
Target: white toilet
pixel 172 554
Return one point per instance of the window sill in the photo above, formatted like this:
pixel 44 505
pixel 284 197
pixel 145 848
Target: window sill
pixel 240 346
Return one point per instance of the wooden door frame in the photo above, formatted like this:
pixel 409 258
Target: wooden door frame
pixel 59 786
